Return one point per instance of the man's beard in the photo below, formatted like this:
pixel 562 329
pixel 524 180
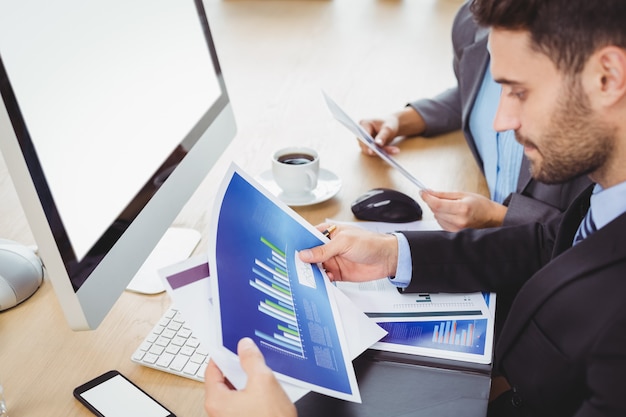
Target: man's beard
pixel 575 143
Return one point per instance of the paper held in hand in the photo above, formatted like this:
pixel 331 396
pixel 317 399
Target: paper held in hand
pixel 261 289
pixel 368 140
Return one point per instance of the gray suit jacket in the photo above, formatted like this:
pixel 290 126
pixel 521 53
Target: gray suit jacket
pixel 450 110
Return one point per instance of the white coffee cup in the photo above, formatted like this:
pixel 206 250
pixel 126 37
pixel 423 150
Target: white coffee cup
pixel 295 169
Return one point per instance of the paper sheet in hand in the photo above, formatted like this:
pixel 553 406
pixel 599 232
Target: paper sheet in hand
pixel 368 140
pixel 262 290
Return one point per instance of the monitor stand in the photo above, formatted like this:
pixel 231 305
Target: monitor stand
pixel 176 245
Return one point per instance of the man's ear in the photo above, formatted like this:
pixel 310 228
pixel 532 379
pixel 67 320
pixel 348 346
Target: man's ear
pixel 609 75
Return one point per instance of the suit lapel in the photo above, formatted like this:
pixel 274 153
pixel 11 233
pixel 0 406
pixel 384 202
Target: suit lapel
pixel 571 220
pixel 524 175
pixel 602 248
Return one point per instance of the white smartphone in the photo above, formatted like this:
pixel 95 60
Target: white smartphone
pixel 113 395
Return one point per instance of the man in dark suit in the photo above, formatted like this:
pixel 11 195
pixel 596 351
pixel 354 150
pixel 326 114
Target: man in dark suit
pixel 516 197
pixel 562 351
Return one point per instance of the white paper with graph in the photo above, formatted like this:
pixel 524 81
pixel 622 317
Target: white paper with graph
pixel 449 326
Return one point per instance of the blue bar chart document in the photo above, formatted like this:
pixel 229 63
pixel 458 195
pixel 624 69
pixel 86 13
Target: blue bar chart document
pixel 263 291
pixel 443 334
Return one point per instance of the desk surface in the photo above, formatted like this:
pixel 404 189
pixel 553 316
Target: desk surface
pixel 371 56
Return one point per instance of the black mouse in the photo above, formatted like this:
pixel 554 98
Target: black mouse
pixel 386 205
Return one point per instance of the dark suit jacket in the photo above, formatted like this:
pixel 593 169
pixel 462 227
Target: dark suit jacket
pixel 563 344
pixel 451 110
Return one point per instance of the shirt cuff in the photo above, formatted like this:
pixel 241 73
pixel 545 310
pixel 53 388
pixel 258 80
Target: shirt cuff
pixel 402 279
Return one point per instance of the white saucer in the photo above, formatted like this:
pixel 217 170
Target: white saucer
pixel 328 184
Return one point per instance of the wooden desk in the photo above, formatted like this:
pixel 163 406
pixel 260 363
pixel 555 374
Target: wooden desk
pixel 371 56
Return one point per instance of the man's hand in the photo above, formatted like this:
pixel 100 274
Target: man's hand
pixel 262 397
pixel 458 210
pixel 355 254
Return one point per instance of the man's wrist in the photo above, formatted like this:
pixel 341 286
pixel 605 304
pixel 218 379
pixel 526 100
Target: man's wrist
pixel 404 265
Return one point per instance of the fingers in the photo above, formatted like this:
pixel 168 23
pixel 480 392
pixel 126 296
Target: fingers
pixel 385 135
pixel 383 132
pixel 371 127
pixel 365 150
pixel 322 226
pixel 448 208
pixel 251 360
pixel 460 210
pixel 215 388
pixel 262 396
pixel 250 356
pixel 212 375
pixel 432 195
pixel 262 382
pixel 317 254
pixel 443 202
pixel 392 150
pixel 313 255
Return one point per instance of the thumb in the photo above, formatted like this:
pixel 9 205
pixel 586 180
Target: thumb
pixel 443 195
pixel 385 135
pixel 317 254
pixel 250 356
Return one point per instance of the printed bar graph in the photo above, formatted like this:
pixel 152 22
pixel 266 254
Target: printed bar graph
pixel 460 335
pixel 271 280
pixel 447 333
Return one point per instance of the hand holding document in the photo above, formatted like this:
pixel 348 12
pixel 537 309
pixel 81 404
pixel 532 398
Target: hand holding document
pixel 368 140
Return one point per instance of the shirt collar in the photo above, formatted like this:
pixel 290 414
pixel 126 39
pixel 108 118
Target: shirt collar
pixel 608 204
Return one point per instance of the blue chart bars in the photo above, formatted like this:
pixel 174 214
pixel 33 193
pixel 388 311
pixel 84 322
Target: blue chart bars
pixel 468 336
pixel 272 281
pixel 447 332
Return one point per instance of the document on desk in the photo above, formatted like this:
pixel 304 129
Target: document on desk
pixel 450 326
pixel 262 290
pixel 343 118
pixel 381 299
pixel 467 338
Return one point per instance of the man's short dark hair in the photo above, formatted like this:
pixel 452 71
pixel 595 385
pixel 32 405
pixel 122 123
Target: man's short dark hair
pixel 567 31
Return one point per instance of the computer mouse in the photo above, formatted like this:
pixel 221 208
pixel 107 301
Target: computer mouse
pixel 386 205
pixel 21 273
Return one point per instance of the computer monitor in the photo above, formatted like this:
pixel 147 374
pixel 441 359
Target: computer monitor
pixel 113 112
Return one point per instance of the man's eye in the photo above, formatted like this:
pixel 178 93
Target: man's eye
pixel 520 95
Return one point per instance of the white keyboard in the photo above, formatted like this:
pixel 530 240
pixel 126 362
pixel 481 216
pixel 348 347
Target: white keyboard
pixel 171 347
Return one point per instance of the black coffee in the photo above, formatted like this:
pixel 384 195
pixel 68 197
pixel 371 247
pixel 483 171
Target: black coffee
pixel 295 159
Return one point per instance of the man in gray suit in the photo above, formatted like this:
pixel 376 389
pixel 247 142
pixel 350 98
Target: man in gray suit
pixel 516 198
pixel 562 351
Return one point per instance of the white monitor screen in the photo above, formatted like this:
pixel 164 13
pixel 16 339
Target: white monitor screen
pixel 105 99
pixel 113 77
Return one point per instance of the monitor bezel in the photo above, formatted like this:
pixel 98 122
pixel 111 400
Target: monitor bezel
pixel 86 304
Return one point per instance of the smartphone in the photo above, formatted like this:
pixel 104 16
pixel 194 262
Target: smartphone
pixel 113 395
